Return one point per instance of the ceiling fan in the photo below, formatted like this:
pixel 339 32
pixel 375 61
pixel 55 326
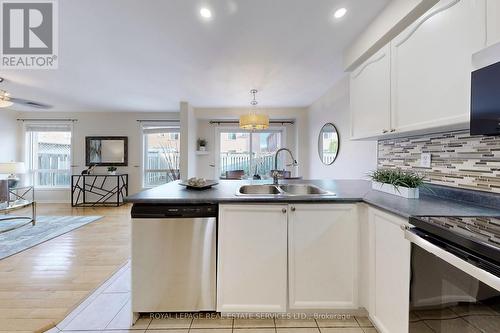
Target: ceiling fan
pixel 6 100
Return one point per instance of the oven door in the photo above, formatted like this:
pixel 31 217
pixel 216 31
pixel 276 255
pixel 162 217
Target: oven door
pixel 451 290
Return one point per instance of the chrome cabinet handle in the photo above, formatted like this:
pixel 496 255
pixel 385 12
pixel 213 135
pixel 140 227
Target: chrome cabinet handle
pixel 283 210
pixel 292 208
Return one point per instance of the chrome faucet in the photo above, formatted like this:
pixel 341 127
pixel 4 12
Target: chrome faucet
pixel 276 172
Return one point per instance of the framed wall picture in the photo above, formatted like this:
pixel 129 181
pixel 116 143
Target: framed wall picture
pixel 106 150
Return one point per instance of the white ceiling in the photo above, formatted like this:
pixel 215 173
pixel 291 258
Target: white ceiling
pixel 147 55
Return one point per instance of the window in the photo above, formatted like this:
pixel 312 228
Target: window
pixel 252 152
pixel 161 153
pixel 48 154
pixel 330 146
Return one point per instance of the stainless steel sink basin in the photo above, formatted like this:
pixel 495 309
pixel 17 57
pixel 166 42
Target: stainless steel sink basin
pixel 270 190
pixel 259 190
pixel 303 189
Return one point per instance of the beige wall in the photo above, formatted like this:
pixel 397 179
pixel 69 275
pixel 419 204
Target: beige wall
pixel 356 158
pixel 188 164
pixel 197 120
pixel 98 124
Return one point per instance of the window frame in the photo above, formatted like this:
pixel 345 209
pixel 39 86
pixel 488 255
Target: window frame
pixel 29 158
pixel 171 125
pixel 236 129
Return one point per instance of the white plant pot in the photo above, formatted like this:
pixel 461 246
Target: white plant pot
pixel 405 192
pixel 202 148
pixel 112 173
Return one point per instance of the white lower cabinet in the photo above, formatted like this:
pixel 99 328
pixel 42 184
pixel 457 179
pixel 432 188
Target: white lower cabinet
pixel 323 256
pixel 322 251
pixel 252 258
pixel 272 258
pixel 389 272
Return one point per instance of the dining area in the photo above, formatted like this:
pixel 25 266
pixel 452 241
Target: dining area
pixel 272 163
pixel 273 173
pixel 241 174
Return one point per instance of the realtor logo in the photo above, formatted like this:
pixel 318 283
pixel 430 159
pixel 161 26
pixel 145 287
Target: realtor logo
pixel 29 34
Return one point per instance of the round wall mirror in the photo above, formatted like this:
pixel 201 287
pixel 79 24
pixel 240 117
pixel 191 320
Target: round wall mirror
pixel 328 144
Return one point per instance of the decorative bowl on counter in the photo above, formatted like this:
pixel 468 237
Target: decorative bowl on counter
pixel 198 183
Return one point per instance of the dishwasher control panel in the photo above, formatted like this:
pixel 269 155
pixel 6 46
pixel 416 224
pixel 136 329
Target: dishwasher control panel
pixel 174 211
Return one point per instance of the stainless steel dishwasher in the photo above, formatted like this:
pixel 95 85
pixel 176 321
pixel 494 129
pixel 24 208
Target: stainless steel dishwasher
pixel 174 258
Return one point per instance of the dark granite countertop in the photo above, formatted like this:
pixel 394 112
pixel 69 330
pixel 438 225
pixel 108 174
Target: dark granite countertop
pixel 345 190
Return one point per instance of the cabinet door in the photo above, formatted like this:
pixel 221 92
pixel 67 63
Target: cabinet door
pixel 370 96
pixel 366 258
pixel 323 256
pixel 391 279
pixel 252 258
pixel 431 66
pixel 493 22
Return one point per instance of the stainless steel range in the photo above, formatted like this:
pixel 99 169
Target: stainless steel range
pixel 455 274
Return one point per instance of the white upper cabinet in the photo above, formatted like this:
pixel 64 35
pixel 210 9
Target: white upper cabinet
pixel 252 258
pixel 323 256
pixel 493 21
pixel 431 65
pixel 370 96
pixel 390 276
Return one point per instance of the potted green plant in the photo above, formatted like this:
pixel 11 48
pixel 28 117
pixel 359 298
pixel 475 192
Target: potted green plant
pixel 397 182
pixel 202 144
pixel 112 170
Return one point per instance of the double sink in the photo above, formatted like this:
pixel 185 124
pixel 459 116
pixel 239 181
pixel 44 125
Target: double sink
pixel 270 190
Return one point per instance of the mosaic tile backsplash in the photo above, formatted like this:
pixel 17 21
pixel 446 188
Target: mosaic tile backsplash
pixel 458 159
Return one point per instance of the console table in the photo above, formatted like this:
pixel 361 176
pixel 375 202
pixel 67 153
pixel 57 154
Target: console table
pixel 109 190
pixel 19 197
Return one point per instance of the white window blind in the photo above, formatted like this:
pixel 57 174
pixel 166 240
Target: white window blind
pixel 42 127
pixel 160 127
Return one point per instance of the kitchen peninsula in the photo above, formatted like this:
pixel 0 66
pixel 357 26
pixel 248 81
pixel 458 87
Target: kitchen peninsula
pixel 343 250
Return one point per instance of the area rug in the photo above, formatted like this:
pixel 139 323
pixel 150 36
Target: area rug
pixel 46 227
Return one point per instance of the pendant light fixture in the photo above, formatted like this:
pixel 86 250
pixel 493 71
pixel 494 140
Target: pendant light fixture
pixel 253 120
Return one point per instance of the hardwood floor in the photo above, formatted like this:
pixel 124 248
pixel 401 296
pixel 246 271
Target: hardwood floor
pixel 40 286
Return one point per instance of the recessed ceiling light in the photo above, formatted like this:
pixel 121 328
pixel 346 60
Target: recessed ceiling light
pixel 340 13
pixel 205 13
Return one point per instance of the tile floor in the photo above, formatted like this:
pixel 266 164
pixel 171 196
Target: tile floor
pixel 108 310
pixel 462 318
